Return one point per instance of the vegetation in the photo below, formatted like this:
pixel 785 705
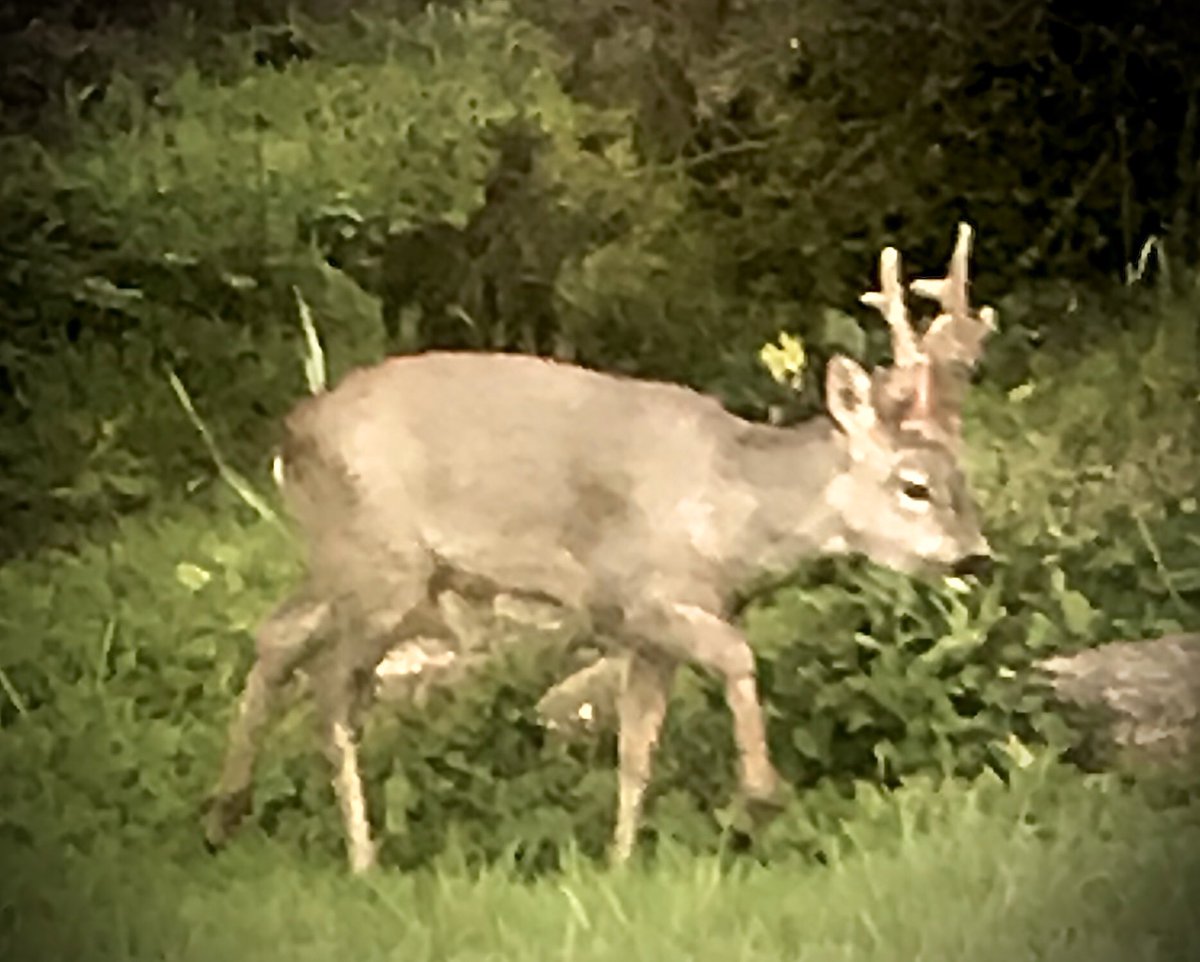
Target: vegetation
pixel 641 190
pixel 943 874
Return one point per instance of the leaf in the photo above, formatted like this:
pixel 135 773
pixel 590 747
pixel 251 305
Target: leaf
pixel 805 741
pixel 866 641
pixel 1078 613
pixel 192 576
pixel 398 795
pixel 842 332
pixel 1186 579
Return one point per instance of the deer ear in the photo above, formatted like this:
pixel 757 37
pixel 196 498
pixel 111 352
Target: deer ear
pixel 848 396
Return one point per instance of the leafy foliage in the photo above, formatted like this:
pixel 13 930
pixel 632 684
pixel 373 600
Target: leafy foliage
pixel 672 213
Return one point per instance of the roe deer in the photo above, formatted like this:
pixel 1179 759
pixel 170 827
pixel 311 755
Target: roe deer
pixel 640 505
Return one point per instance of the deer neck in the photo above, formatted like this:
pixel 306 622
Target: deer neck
pixel 787 473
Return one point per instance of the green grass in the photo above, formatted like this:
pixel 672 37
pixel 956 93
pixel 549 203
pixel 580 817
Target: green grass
pixel 1104 878
pixel 121 649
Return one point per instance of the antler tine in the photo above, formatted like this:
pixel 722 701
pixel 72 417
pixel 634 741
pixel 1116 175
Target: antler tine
pixel 889 301
pixel 957 334
pixel 950 291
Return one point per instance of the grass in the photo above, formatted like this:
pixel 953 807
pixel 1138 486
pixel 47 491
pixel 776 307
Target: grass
pixel 1111 881
pixel 120 657
pixel 117 656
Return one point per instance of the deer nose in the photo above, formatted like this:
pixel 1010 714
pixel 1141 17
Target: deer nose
pixel 978 564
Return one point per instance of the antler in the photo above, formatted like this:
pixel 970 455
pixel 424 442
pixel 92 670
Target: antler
pixel 956 335
pixel 889 301
pixel 905 388
pixel 923 389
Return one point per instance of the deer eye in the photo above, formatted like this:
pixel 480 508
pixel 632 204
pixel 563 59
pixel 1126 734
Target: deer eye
pixel 915 487
pixel 916 491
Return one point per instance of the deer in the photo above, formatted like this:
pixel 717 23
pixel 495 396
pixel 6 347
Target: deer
pixel 640 506
pixel 940 363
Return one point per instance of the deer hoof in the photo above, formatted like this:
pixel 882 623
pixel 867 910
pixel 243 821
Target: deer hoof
pixel 767 797
pixel 224 814
pixel 362 859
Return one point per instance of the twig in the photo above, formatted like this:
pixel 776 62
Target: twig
pixel 314 358
pixel 230 475
pixel 13 695
pixel 1163 573
pixel 1035 251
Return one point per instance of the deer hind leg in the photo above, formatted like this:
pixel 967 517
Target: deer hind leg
pixel 343 682
pixel 585 700
pixel 641 708
pixel 283 642
pixel 338 692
